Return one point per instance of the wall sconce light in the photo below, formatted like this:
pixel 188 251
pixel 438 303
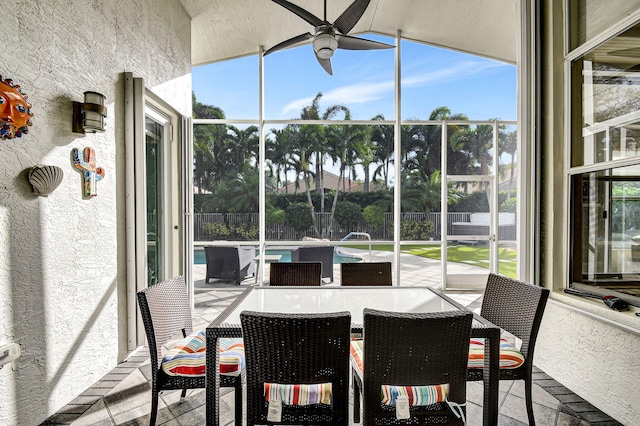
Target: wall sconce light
pixel 88 117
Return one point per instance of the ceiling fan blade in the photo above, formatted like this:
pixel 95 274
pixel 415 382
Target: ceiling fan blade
pixel 295 40
pixel 326 64
pixel 307 16
pixel 351 16
pixel 355 43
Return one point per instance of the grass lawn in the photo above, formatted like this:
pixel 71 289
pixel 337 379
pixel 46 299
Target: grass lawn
pixel 474 255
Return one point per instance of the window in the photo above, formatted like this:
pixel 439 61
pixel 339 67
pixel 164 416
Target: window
pixel 332 158
pixel 605 167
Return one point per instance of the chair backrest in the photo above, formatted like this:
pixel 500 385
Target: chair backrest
pixel 295 274
pixel 414 349
pixel 516 307
pixel 365 273
pixel 297 349
pixel 322 254
pixel 165 311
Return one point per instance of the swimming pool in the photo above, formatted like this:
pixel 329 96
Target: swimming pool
pixel 199 258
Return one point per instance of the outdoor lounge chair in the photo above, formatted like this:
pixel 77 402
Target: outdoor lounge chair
pixel 517 308
pixel 423 355
pixel 291 355
pixel 322 254
pixel 166 312
pixel 295 274
pixel 229 263
pixel 365 273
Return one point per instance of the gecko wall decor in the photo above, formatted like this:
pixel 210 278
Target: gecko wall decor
pixel 87 166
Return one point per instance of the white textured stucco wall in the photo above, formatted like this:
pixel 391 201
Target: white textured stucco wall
pixel 62 257
pixel 598 361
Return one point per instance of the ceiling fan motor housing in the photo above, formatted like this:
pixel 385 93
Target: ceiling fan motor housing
pixel 325 43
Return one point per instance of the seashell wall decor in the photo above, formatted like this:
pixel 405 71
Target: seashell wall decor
pixel 45 179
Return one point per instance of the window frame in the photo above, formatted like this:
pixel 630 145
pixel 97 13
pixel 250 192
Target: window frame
pixel 573 90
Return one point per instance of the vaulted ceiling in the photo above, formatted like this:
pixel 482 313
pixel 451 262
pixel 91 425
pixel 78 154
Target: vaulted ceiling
pixel 224 29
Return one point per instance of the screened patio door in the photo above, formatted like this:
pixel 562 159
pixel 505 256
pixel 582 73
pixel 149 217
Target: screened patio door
pixel 470 249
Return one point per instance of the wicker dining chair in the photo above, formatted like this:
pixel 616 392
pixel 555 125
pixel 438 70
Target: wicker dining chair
pixel 310 351
pixel 425 351
pixel 323 254
pixel 365 274
pixel 166 312
pixel 295 274
pixel 517 308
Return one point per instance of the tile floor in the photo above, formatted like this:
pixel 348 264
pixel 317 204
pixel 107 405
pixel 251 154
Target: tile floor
pixel 122 397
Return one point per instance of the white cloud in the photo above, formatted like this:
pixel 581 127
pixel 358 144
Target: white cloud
pixel 347 95
pixel 368 92
pixel 455 72
pixel 296 105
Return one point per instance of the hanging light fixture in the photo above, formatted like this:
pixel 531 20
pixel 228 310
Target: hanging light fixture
pixel 325 43
pixel 88 117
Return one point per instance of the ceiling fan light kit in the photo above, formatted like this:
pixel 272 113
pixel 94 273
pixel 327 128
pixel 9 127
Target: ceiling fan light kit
pixel 324 44
pixel 330 36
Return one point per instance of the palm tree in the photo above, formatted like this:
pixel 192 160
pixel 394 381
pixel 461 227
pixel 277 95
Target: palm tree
pixel 278 162
pixel 315 133
pixel 345 145
pixel 382 138
pixel 508 142
pixel 245 142
pixel 477 145
pixel 243 192
pixel 205 138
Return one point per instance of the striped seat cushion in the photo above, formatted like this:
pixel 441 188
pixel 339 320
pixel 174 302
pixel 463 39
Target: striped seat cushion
pixel 418 395
pixel 188 356
pixel 357 354
pixel 298 394
pixel 510 357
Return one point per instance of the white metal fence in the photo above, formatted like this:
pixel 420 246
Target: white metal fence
pixel 336 232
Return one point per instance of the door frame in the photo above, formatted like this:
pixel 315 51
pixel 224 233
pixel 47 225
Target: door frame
pixel 138 101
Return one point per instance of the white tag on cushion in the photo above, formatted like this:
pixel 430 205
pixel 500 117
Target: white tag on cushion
pixel 402 407
pixel 275 411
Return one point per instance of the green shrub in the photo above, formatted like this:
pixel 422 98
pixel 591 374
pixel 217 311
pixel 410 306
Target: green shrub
pixel 216 231
pixel 222 231
pixel 298 216
pixel 274 216
pixel 348 214
pixel 245 231
pixel 374 216
pixel 412 230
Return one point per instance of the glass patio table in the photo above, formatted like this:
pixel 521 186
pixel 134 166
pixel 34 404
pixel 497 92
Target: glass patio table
pixel 354 300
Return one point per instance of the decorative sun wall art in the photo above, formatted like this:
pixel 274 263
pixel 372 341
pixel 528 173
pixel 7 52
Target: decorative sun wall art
pixel 87 166
pixel 15 111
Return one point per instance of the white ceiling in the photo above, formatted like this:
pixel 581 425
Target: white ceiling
pixel 223 29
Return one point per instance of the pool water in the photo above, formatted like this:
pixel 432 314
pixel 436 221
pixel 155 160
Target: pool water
pixel 200 259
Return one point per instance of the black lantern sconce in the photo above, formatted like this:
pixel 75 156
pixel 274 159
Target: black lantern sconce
pixel 88 117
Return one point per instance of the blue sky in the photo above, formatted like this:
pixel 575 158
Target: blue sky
pixel 363 81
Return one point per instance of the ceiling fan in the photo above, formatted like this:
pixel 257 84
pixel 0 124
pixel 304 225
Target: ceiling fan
pixel 330 36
